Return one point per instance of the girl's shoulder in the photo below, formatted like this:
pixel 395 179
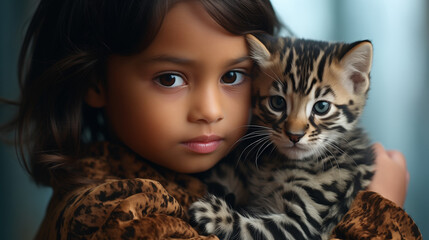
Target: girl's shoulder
pixel 127 193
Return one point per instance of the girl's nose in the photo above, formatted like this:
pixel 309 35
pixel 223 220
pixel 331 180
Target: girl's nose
pixel 206 105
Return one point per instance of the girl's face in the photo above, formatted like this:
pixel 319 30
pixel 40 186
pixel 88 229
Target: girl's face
pixel 184 101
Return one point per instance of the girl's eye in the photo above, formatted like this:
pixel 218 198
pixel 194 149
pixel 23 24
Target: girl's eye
pixel 170 80
pixel 233 78
pixel 277 103
pixel 321 107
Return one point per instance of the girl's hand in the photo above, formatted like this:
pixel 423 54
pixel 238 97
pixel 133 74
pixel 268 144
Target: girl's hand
pixel 391 175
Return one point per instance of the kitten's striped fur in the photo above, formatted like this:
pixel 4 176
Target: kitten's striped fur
pixel 303 161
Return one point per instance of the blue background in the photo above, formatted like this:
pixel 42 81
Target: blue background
pixel 396 115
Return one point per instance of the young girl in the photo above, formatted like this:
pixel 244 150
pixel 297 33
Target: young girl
pixel 166 84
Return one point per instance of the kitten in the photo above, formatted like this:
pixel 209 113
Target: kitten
pixel 304 158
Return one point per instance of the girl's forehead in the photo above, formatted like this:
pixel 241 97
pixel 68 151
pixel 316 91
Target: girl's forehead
pixel 187 13
pixel 188 31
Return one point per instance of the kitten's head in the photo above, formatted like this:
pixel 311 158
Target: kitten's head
pixel 308 93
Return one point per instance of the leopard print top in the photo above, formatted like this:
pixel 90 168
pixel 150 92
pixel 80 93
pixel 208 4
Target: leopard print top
pixel 136 200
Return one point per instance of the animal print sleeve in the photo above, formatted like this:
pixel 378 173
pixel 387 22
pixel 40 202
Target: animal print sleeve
pixel 373 217
pixel 118 209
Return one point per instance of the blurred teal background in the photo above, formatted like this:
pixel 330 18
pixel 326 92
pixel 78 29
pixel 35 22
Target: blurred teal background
pixel 397 111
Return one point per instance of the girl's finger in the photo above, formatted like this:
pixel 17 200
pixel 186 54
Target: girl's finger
pixel 398 157
pixel 379 149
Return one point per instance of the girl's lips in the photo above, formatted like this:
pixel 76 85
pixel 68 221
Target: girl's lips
pixel 203 144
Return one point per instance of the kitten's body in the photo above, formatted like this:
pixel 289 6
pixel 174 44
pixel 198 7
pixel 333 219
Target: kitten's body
pixel 303 160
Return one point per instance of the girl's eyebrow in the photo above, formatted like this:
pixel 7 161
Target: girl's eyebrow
pixel 172 59
pixel 240 60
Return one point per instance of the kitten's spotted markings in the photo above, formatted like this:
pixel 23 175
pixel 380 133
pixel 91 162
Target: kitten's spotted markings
pixel 304 159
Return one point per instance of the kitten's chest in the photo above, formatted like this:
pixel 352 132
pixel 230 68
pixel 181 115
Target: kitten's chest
pixel 276 179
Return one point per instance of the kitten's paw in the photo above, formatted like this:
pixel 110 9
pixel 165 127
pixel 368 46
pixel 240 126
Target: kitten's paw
pixel 212 215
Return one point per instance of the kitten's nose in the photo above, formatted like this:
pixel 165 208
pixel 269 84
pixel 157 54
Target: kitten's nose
pixel 294 137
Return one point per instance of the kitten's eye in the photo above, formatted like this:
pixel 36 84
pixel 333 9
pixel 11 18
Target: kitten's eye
pixel 169 80
pixel 277 103
pixel 233 78
pixel 321 107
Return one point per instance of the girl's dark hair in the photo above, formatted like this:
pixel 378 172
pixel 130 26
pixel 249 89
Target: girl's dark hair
pixel 64 54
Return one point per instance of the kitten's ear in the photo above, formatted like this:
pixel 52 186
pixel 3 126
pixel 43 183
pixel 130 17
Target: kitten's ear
pixel 356 62
pixel 258 52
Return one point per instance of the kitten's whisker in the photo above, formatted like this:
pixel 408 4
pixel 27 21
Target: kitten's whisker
pixel 335 159
pixel 277 78
pixel 256 155
pixel 257 126
pixel 320 154
pixel 260 152
pixel 259 142
pixel 340 149
pixel 348 144
pixel 252 145
pixel 325 154
pixel 268 75
pixel 261 133
pixel 272 149
pixel 254 135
